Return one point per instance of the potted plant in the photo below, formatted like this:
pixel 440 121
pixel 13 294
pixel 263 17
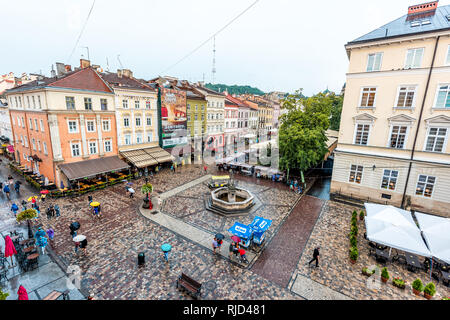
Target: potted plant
pixel 367 272
pixel 354 214
pixel 361 215
pixel 399 283
pixel 429 291
pixel 384 275
pixel 147 189
pixel 27 215
pixel 417 287
pixel 3 295
pixel 354 255
pixel 446 298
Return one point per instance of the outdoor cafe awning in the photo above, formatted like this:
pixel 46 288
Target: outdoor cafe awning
pixel 436 231
pixel 90 168
pixel 147 157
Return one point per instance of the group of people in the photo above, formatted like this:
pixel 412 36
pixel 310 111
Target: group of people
pixel 8 185
pixel 234 249
pixel 295 186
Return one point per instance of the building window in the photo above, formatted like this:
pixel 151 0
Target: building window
pixel 105 124
pixel 414 58
pixel 139 138
pixel 405 97
pixel 75 150
pixel 88 103
pixel 39 145
pixel 148 104
pixel 425 186
pixel 33 142
pixel 127 139
pixel 203 117
pixel 356 174
pixel 138 121
pixel 36 127
pixel 149 121
pixel 149 137
pixel 203 107
pixel 389 179
pixel 398 137
pixel 73 128
pixel 196 107
pixel 90 125
pixel 31 123
pixel 436 139
pixel 92 147
pixel 104 104
pixel 368 98
pixel 362 134
pixel 42 125
pixel 196 117
pixel 44 144
pixel 443 97
pixel 39 102
pixel 70 103
pixel 125 104
pixel 126 122
pixel 188 107
pixel 137 104
pixel 188 117
pixel 108 146
pixel 28 101
pixel 374 62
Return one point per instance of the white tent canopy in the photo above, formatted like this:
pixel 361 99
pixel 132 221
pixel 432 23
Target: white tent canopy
pixel 394 228
pixel 436 231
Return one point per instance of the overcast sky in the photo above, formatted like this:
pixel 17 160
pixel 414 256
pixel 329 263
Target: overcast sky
pixel 276 45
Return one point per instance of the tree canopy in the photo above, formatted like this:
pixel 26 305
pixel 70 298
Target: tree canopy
pixel 235 89
pixel 302 136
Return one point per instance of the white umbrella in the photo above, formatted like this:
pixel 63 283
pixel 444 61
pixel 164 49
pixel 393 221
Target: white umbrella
pixel 131 190
pixel 79 238
pixel 436 231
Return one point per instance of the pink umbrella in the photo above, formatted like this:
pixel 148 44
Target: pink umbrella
pixel 22 293
pixel 236 239
pixel 9 248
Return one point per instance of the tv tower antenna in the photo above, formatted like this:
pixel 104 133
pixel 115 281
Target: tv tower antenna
pixel 214 62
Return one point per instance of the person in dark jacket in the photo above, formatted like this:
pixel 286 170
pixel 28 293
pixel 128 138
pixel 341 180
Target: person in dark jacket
pixel 316 255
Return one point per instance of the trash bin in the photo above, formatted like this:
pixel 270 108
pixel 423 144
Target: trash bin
pixel 141 259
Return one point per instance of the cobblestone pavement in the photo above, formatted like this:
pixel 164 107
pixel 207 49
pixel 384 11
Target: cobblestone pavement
pixel 279 259
pixel 336 271
pixel 110 268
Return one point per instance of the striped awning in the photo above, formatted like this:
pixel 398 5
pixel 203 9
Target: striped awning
pixel 147 157
pixel 90 168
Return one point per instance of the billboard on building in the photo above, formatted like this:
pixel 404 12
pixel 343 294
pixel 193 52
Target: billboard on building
pixel 173 118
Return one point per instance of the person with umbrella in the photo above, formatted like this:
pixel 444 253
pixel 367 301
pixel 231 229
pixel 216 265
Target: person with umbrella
pixel 6 190
pixel 234 249
pixel 77 240
pixel 166 249
pixel 41 239
pixel 10 250
pixel 24 205
pixel 219 238
pixel 50 234
pixel 74 226
pixel 215 245
pixel 14 208
pixel 57 210
pixel 242 254
pixel 131 191
pixel 22 293
pixel 17 186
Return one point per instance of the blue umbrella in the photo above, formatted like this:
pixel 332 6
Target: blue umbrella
pixel 62 185
pixel 166 247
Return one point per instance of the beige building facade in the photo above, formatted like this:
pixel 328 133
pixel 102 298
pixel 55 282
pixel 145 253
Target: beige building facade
pixel 395 125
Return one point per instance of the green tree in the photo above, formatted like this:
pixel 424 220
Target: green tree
pixel 302 136
pixel 336 110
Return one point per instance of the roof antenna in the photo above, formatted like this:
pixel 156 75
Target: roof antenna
pixel 121 66
pixel 107 64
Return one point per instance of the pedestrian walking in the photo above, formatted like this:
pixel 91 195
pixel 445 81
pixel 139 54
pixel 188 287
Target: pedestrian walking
pixel 42 197
pixel 90 199
pixel 77 245
pixel 10 181
pixel 166 249
pixel 73 233
pixel 38 211
pixel 157 169
pixel 6 190
pixel 215 245
pixel 24 205
pixel 242 255
pixel 17 186
pixel 57 210
pixel 231 249
pixel 316 255
pixel 205 168
pixel 175 167
pixel 51 233
pixel 14 208
pixel 131 191
pixel 83 245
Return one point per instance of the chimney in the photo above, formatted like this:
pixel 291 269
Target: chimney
pixel 53 72
pixel 60 70
pixel 119 73
pixel 84 63
pixel 424 7
pixel 127 73
pixel 68 68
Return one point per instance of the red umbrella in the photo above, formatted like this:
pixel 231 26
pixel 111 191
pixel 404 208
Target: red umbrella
pixel 9 248
pixel 236 239
pixel 44 191
pixel 23 295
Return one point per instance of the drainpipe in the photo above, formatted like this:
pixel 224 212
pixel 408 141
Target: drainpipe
pixel 419 123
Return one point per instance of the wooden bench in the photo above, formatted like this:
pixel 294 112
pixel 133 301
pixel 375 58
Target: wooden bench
pixel 189 284
pixel 54 295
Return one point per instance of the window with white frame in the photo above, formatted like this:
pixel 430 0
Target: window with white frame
pixel 70 103
pixel 138 121
pixel 127 139
pixel 362 134
pixel 436 139
pixel 398 137
pixel 42 125
pixel 126 122
pixel 88 103
pixel 149 121
pixel 148 104
pixel 425 186
pixel 39 145
pixel 26 141
pixel 368 97
pixel 137 104
pixel 139 138
pixel 90 126
pixel 108 146
pixel 44 144
pixel 33 142
pixel 23 122
pixel 39 102
pixel 34 102
pixel 389 181
pixel 406 96
pixel 18 121
pixel 36 127
pixel 106 126
pixel 414 58
pixel 374 62
pixel 73 126
pixel 443 97
pixel 28 101
pixel 125 104
pixel 31 123
pixel 149 137
pixel 92 147
pixel 20 102
pixel 76 150
pixel 104 104
pixel 355 174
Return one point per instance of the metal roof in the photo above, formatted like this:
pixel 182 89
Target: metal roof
pixel 90 168
pixel 403 26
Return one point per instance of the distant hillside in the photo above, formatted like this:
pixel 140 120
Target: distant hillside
pixel 234 89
